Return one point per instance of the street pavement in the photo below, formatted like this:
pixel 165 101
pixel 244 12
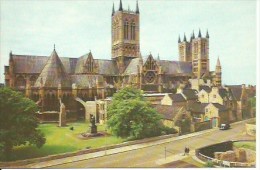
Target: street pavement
pixel 151 154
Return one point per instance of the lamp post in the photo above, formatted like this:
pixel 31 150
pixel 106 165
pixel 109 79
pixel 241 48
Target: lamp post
pixel 106 139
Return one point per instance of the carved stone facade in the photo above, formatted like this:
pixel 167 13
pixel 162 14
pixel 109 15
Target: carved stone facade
pixel 48 79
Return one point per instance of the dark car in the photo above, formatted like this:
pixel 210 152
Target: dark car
pixel 224 126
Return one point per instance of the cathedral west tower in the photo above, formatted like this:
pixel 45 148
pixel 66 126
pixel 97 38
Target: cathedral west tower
pixel 125 35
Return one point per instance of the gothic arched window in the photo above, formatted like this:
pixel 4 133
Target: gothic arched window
pixel 132 31
pixel 20 81
pixel 126 30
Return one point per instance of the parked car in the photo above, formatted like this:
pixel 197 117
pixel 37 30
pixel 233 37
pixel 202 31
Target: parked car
pixel 224 126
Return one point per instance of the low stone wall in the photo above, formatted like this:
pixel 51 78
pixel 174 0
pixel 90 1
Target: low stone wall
pixel 14 164
pixel 251 129
pixel 199 126
pixel 225 152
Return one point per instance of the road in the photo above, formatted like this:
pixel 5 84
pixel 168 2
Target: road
pixel 147 157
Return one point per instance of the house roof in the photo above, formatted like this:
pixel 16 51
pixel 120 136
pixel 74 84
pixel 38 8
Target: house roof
pixel 190 94
pixel 168 112
pixel 206 88
pixel 177 97
pixel 197 107
pixel 236 92
pixel 220 107
pixel 53 74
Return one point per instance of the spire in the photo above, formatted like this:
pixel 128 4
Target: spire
pixel 184 39
pixel 158 58
pixel 193 35
pixel 207 35
pixel 199 34
pixel 54 47
pixel 218 63
pixel 137 8
pixel 120 6
pixel 53 73
pixel 113 10
pixel 179 41
pixel 191 38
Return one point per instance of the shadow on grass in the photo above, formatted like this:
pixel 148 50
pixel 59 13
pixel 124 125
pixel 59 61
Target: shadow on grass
pixel 27 152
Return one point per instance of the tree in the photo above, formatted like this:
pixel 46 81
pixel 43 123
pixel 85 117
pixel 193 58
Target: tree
pixel 18 122
pixel 130 115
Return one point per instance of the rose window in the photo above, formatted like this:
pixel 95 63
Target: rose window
pixel 150 77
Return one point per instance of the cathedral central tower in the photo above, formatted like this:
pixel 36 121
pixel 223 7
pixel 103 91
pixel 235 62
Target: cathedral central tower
pixel 125 35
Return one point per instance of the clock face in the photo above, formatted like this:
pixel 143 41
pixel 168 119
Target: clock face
pixel 150 77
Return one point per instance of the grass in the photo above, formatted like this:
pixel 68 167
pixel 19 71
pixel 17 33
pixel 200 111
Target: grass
pixel 190 160
pixel 247 145
pixel 62 139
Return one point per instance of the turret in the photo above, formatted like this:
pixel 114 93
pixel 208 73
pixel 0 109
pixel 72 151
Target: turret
pixel 113 10
pixel 137 8
pixel 199 36
pixel 184 38
pixel 120 6
pixel 218 73
pixel 207 35
pixel 179 40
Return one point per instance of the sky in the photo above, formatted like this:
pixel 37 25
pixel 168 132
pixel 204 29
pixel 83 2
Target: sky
pixel 30 27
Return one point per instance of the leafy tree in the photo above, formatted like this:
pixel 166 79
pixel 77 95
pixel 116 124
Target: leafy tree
pixel 130 115
pixel 18 122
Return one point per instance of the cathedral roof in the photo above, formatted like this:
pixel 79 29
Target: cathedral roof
pixel 132 67
pixel 53 73
pixel 83 80
pixel 175 67
pixel 104 67
pixel 34 64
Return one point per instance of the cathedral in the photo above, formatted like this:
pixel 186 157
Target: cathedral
pixel 46 79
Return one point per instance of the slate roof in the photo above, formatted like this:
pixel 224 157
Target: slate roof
pixel 190 94
pixel 236 93
pixel 83 80
pixel 53 73
pixel 177 97
pixel 175 67
pixel 132 67
pixel 197 107
pixel 220 107
pixel 107 67
pixel 35 64
pixel 168 112
pixel 206 88
pixel 79 69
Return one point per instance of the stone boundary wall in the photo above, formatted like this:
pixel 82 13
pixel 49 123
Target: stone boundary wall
pixel 85 151
pixel 199 126
pixel 207 153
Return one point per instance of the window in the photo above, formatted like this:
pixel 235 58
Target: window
pixel 202 96
pixel 132 31
pixel 214 96
pixel 126 30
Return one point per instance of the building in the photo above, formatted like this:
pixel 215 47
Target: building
pixel 46 79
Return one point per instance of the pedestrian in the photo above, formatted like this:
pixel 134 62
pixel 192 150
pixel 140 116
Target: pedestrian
pixel 185 151
pixel 188 151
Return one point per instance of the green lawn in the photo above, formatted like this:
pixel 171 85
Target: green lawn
pixel 62 139
pixel 247 145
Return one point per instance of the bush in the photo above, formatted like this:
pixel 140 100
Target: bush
pixel 167 130
pixel 209 164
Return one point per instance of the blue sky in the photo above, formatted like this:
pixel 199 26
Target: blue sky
pixel 32 27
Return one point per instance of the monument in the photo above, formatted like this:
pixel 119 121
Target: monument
pixel 93 127
pixel 62 115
